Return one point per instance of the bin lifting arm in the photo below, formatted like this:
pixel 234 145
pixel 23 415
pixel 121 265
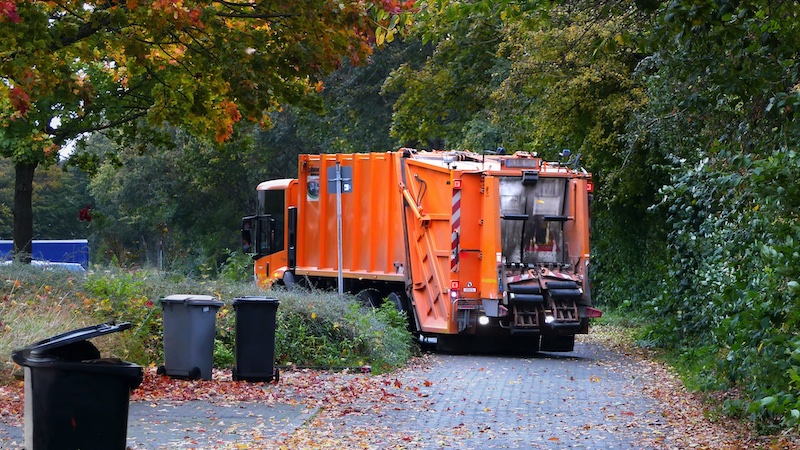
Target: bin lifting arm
pixel 424 218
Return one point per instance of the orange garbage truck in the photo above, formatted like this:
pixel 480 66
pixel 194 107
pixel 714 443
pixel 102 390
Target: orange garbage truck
pixel 466 244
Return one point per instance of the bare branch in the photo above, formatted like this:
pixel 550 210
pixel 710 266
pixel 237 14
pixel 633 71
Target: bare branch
pixel 88 28
pixel 238 5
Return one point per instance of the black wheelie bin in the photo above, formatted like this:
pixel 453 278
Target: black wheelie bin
pixel 255 339
pixel 74 399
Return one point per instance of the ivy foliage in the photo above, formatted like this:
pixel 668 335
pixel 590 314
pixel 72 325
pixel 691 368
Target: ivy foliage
pixel 721 83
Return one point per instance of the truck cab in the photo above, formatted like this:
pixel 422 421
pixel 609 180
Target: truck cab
pixel 268 235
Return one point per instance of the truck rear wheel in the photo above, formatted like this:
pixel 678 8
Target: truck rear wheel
pixel 369 297
pixel 403 305
pixel 397 300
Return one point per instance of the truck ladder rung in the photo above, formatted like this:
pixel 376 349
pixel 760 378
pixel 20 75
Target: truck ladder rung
pixel 566 310
pixel 525 317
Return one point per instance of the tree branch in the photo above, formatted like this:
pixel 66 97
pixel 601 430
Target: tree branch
pixel 256 15
pixel 60 136
pixel 88 28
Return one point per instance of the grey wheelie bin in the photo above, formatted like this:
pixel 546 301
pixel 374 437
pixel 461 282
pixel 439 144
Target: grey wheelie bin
pixel 189 327
pixel 255 339
pixel 74 399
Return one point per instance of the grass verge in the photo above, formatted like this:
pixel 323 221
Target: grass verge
pixel 316 329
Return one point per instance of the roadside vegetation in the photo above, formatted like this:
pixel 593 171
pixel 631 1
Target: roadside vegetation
pixel 314 329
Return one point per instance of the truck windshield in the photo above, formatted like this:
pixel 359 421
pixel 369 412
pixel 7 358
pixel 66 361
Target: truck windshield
pixel 532 220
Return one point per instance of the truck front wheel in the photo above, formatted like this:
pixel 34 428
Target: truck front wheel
pixel 288 281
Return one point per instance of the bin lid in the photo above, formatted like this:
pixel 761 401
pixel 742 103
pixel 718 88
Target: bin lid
pixel 255 299
pixel 192 299
pixel 41 348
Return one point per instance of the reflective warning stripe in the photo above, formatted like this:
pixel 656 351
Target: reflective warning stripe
pixel 456 230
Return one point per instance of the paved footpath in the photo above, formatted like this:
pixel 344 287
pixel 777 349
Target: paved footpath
pixel 591 398
pixel 205 425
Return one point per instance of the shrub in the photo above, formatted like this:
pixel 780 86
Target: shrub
pixel 312 329
pixel 238 267
pixel 322 330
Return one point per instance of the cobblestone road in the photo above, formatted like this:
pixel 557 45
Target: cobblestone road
pixel 591 398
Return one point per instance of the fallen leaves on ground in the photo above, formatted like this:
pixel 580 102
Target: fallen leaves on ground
pixel 687 414
pixel 344 390
pixel 221 388
pixel 11 403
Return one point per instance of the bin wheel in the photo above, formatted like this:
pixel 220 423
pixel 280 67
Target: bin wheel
pixel 233 374
pixel 277 376
pixel 161 370
pixel 195 373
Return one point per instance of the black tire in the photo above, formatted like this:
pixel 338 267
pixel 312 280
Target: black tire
pixel 289 281
pixel 277 375
pixel 369 297
pixel 161 370
pixel 195 373
pixel 234 376
pixel 398 300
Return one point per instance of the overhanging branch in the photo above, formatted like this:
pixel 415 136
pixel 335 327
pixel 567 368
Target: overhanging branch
pixel 236 15
pixel 61 135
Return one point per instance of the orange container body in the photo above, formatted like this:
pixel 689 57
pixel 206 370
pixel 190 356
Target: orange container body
pixel 371 211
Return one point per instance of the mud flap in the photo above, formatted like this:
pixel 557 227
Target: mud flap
pixel 555 343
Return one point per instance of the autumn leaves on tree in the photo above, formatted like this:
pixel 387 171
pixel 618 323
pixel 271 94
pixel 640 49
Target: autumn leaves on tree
pixel 75 67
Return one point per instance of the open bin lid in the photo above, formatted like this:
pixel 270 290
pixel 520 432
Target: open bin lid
pixel 40 350
pixel 192 299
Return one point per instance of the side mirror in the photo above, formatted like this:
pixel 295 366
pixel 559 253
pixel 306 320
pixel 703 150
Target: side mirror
pixel 247 235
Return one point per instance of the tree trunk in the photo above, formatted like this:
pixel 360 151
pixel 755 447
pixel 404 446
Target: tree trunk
pixel 23 211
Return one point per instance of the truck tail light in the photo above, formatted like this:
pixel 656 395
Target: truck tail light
pixel 593 313
pixel 454 289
